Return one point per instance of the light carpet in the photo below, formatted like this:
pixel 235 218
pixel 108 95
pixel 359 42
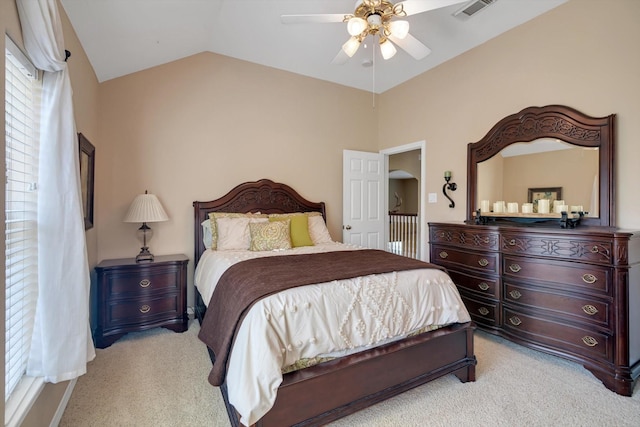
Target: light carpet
pixel 159 378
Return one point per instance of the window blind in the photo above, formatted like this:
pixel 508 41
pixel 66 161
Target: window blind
pixel 22 94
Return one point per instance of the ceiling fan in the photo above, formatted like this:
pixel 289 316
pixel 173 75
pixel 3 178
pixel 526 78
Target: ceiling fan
pixel 378 18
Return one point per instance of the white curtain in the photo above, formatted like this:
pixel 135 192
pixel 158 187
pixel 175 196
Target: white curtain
pixel 61 345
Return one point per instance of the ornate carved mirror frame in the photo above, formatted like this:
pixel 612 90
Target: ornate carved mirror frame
pixel 552 121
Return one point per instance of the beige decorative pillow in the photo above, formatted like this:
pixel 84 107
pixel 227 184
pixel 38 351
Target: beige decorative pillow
pixel 214 229
pixel 269 236
pixel 318 230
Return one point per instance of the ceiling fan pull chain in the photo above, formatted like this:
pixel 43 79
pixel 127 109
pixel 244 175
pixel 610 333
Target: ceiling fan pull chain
pixel 373 89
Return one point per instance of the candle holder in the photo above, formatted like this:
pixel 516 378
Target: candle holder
pixel 452 186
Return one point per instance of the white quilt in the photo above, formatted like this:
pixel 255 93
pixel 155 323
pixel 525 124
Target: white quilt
pixel 329 319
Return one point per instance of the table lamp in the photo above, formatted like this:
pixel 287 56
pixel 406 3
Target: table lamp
pixel 145 208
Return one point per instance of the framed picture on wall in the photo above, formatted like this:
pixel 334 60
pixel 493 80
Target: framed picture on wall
pixel 87 166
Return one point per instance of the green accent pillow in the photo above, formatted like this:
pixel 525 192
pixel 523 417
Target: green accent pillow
pixel 270 236
pixel 299 229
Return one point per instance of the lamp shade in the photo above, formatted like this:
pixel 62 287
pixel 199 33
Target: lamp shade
pixel 356 26
pixel 146 208
pixel 351 46
pixel 387 49
pixel 399 29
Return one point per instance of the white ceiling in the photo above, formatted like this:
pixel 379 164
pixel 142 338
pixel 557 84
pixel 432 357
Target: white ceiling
pixel 125 36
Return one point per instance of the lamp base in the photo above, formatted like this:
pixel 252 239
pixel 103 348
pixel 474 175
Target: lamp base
pixel 144 255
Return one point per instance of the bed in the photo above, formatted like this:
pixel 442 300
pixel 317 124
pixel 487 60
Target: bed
pixel 343 382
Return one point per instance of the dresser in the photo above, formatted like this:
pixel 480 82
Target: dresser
pixel 573 293
pixel 138 296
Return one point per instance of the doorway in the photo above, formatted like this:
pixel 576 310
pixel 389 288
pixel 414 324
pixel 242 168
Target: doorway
pixel 407 231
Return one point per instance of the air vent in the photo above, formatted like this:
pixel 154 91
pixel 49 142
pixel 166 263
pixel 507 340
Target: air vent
pixel 470 9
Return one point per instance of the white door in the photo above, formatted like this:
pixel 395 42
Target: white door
pixel 363 192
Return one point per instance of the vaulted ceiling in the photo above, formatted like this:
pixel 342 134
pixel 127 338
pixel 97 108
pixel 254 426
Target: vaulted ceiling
pixel 125 36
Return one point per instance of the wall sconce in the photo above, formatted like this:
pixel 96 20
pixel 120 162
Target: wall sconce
pixel 449 186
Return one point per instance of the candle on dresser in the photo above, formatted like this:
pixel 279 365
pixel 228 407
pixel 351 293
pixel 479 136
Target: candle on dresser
pixel 484 206
pixel 512 207
pixel 543 206
pixel 527 208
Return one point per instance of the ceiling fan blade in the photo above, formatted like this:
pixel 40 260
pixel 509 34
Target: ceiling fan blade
pixel 313 19
pixel 412 46
pixel 413 7
pixel 341 58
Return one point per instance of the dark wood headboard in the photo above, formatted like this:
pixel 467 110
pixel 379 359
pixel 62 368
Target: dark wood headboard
pixel 263 196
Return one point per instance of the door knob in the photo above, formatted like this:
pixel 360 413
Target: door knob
pixel 348 227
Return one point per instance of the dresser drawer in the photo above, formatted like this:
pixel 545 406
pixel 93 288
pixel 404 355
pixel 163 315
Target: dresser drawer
pixel 488 287
pixel 143 310
pixel 486 262
pixel 465 237
pixel 575 307
pixel 141 282
pixel 568 275
pixel 484 311
pixel 539 329
pixel 558 247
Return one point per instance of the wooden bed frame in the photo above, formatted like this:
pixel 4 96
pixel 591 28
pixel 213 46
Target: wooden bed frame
pixel 331 390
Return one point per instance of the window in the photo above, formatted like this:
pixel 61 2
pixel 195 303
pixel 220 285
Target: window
pixel 22 88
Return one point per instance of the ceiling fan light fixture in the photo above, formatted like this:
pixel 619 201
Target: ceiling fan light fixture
pixel 399 29
pixel 387 49
pixel 355 26
pixel 351 46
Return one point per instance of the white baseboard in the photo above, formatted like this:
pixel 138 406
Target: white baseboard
pixel 63 403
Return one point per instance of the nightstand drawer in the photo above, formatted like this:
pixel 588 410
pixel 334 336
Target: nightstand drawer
pixel 142 310
pixel 140 282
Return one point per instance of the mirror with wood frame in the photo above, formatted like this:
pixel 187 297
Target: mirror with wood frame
pixel 551 148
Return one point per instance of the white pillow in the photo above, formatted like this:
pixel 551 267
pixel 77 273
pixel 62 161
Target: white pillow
pixel 207 235
pixel 318 230
pixel 233 233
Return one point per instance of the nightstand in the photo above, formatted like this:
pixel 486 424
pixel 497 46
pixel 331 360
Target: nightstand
pixel 134 296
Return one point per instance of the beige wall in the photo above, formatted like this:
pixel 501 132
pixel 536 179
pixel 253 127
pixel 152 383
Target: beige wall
pixel 85 100
pixel 193 129
pixel 580 54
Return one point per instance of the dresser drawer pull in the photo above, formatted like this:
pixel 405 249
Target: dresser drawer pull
pixel 442 234
pixel 515 268
pixel 594 250
pixel 590 341
pixel 443 254
pixel 483 310
pixel 483 262
pixel 515 321
pixel 590 309
pixel 515 294
pixel 512 242
pixel 145 309
pixel 589 278
pixel 144 283
pixel 483 286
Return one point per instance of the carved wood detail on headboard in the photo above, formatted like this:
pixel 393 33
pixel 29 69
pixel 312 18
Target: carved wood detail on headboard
pixel 263 196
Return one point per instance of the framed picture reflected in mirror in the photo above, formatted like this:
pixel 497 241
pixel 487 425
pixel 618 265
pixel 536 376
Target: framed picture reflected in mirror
pixel 87 171
pixel 549 193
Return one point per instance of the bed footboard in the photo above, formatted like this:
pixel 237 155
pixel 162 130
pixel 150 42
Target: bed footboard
pixel 329 391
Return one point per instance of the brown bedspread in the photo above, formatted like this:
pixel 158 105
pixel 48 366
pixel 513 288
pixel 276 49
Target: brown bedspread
pixel 246 282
